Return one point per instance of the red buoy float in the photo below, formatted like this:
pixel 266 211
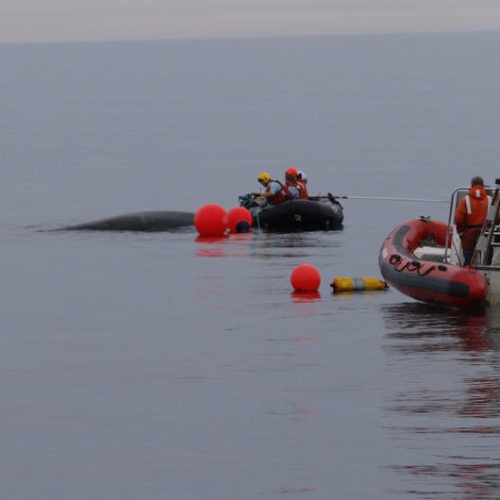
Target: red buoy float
pixel 305 278
pixel 211 220
pixel 239 220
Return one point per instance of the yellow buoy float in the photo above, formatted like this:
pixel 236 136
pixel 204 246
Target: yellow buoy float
pixel 348 284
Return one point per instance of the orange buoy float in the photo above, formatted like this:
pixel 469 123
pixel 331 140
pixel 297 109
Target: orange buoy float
pixel 239 220
pixel 347 284
pixel 305 278
pixel 211 220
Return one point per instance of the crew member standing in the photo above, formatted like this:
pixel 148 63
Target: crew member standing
pixel 470 215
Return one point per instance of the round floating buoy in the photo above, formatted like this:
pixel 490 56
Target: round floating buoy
pixel 239 220
pixel 347 284
pixel 305 278
pixel 211 220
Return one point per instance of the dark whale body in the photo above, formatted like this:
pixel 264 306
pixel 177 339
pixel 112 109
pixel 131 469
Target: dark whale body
pixel 139 221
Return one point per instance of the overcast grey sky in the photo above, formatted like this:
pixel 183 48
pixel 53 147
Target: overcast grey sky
pixel 89 20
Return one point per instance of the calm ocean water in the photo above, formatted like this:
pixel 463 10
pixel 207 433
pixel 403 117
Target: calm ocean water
pixel 158 366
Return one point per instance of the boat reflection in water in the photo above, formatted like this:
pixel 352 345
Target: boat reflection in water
pixel 444 404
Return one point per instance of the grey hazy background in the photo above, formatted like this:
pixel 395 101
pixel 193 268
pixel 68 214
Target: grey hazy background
pixel 87 20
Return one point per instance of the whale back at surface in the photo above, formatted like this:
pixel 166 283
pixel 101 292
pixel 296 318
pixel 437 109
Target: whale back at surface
pixel 162 220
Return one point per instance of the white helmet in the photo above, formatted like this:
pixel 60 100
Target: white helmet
pixel 302 176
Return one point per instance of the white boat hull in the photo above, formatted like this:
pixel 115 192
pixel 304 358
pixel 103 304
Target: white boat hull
pixel 493 276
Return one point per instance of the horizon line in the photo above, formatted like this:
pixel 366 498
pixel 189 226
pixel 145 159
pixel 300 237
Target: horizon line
pixel 205 38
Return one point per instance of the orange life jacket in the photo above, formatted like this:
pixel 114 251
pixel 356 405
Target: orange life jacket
pixel 470 214
pixel 300 187
pixel 303 194
pixel 282 195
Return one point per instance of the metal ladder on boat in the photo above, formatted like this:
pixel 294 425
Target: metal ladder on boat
pixel 488 237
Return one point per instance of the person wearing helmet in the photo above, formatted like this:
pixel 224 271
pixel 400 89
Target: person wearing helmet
pixel 275 192
pixel 296 186
pixel 302 182
pixel 291 182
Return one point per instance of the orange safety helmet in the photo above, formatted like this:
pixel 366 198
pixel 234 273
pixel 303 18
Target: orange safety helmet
pixel 291 171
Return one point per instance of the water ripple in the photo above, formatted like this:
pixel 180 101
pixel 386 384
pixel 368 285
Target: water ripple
pixel 445 398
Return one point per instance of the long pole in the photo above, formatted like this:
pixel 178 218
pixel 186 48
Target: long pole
pixel 385 198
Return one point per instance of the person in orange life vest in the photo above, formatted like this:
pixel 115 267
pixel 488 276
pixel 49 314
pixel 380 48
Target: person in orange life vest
pixel 275 192
pixel 293 185
pixel 291 182
pixel 302 182
pixel 470 214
